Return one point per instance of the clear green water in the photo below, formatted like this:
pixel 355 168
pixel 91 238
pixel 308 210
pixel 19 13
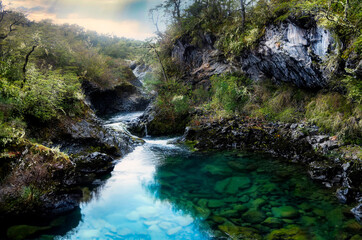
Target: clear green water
pixel 162 191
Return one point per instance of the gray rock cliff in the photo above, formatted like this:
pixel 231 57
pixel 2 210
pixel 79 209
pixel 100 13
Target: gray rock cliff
pixel 288 52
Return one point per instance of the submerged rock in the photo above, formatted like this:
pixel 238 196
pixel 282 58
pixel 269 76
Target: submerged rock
pixel 235 232
pixel 273 222
pixel 290 233
pixel 254 216
pixel 232 185
pixel 213 203
pixel 285 212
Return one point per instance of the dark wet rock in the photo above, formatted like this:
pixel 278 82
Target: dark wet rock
pixel 357 212
pixel 124 97
pixel 153 123
pixel 57 178
pixel 77 137
pixel 98 163
pixel 56 204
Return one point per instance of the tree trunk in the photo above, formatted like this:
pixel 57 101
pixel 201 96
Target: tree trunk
pixel 159 60
pixel 25 64
pixel 242 3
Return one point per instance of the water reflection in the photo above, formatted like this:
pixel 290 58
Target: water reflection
pixel 125 210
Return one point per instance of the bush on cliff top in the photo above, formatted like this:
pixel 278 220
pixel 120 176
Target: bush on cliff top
pixel 44 96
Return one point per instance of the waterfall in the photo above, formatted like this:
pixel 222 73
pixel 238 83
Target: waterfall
pixel 146 131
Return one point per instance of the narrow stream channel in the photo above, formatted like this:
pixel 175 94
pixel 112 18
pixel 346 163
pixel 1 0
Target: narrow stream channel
pixel 165 191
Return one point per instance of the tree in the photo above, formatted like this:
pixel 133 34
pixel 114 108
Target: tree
pixel 8 21
pixel 242 4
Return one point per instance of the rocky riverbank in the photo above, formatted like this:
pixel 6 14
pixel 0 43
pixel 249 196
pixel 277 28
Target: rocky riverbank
pixel 48 179
pixel 327 159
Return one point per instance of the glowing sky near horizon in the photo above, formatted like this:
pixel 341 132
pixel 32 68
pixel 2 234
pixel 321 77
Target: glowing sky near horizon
pixel 123 18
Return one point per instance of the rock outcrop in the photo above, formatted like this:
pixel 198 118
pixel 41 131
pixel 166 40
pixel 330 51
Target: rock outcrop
pixel 42 180
pixel 123 97
pixel 153 123
pixel 127 95
pixel 200 63
pixel 292 51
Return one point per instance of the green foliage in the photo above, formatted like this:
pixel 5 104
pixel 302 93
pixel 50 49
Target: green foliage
pixel 45 95
pixel 354 88
pixel 181 104
pixel 334 113
pixel 230 92
pixel 172 98
pixel 10 134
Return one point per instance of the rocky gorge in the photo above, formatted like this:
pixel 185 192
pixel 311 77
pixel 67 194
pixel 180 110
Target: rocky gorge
pixel 236 182
pixel 298 51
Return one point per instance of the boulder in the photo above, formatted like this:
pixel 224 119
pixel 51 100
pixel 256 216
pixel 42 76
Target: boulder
pixel 285 212
pixel 232 185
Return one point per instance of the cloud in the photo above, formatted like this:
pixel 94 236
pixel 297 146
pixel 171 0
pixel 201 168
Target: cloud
pixel 127 18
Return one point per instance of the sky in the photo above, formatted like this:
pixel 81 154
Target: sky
pixel 123 18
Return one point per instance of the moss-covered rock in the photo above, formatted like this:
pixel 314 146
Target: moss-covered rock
pixel 232 185
pixel 273 222
pixel 235 232
pixel 288 233
pixel 254 216
pixel 285 212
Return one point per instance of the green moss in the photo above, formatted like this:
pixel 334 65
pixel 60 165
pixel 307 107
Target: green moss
pixel 285 212
pixel 191 145
pixel 288 233
pixel 235 232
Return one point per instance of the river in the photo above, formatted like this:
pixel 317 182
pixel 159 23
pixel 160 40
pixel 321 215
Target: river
pixel 165 191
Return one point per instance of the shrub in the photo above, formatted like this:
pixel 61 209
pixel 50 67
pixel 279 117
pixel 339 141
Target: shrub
pixel 354 88
pixel 334 113
pixel 44 96
pixel 230 92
